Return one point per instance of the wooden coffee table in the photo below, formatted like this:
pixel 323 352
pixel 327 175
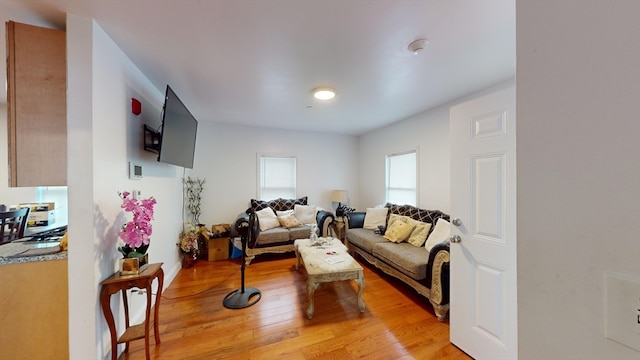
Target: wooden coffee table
pixel 318 263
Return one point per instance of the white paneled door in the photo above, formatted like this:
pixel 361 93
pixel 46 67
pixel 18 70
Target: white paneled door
pixel 483 313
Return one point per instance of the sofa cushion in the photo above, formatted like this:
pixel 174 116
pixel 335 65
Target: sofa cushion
pixel 275 236
pixel 439 234
pixel 404 257
pixel 279 204
pixel 375 217
pixel 306 214
pixel 428 216
pixel 267 219
pixel 399 231
pixel 289 221
pixel 282 235
pixel 419 234
pixel 393 218
pixel 364 238
pixel 302 232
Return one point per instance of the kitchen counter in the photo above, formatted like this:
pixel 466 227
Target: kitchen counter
pixel 35 316
pixel 30 251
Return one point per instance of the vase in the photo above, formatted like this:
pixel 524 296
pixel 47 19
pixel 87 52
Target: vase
pixel 189 259
pixel 133 265
pixel 203 252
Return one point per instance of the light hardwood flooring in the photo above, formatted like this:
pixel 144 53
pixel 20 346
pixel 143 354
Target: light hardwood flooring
pixel 397 322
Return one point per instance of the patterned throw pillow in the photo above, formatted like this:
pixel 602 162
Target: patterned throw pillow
pixel 399 231
pixel 279 204
pixel 289 221
pixel 427 216
pixel 419 234
pixel 393 218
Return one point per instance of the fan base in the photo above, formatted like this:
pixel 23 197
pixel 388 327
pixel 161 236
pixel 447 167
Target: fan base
pixel 239 299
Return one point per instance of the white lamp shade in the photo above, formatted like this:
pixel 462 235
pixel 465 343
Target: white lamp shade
pixel 340 196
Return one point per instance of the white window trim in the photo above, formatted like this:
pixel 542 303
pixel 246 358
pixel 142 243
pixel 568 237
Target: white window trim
pixel 259 174
pixel 386 174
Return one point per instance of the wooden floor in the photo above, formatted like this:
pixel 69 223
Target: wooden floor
pixel 397 323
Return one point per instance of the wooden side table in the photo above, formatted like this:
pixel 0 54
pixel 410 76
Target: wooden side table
pixel 340 228
pixel 117 282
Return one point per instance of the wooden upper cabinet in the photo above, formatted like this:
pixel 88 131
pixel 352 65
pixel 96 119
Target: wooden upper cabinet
pixel 37 105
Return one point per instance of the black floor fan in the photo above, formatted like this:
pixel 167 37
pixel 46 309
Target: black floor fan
pixel 242 298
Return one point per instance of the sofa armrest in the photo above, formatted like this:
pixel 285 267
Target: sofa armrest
pixel 355 220
pixel 324 220
pixel 438 273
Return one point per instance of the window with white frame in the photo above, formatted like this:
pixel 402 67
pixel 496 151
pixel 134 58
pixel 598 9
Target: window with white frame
pixel 402 178
pixel 277 177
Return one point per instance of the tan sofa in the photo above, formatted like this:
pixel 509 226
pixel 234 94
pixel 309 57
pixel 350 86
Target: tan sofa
pixel 425 271
pixel 280 239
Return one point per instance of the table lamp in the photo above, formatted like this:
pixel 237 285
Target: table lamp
pixel 339 196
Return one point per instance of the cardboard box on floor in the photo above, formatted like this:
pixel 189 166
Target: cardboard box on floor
pixel 218 248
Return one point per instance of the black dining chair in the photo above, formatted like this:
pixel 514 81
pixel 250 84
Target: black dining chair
pixel 12 224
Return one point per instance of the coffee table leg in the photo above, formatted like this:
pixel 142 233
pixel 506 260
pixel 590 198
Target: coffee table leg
pixel 360 281
pixel 312 285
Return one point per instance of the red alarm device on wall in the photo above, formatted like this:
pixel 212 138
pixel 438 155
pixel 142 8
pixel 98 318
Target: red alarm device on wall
pixel 136 106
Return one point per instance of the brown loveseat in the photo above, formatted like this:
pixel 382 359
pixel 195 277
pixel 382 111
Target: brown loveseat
pixel 425 271
pixel 280 239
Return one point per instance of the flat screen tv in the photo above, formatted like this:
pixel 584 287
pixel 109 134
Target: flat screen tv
pixel 177 143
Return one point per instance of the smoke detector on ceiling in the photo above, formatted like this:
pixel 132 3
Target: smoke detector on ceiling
pixel 417 46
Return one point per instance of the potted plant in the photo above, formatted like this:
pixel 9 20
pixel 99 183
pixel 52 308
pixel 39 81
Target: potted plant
pixel 193 188
pixel 136 233
pixel 192 194
pixel 189 245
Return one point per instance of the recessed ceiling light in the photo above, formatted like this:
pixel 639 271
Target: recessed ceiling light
pixel 417 46
pixel 324 93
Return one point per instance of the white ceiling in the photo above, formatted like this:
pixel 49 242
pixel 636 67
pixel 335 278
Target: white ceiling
pixel 255 62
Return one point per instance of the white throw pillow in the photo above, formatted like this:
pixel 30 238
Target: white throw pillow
pixel 284 213
pixel 306 214
pixel 375 217
pixel 439 234
pixel 268 219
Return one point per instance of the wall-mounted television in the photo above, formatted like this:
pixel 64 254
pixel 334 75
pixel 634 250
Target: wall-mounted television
pixel 175 143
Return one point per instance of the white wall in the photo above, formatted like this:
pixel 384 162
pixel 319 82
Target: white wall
pixel 103 136
pixel 226 156
pixel 427 132
pixel 578 110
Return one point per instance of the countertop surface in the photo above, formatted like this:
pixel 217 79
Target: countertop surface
pixel 30 251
